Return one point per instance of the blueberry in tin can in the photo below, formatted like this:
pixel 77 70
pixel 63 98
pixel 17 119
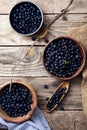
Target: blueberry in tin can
pixel 26 18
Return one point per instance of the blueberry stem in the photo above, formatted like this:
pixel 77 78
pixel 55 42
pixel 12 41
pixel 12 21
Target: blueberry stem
pixel 65 61
pixel 62 12
pixel 46 27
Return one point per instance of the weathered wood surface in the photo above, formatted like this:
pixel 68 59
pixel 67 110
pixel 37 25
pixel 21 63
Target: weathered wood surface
pixel 32 65
pixel 72 101
pixel 55 6
pixel 60 28
pixel 32 71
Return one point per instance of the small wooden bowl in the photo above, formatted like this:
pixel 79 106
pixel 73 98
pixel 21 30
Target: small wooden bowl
pixel 29 114
pixel 62 85
pixel 82 62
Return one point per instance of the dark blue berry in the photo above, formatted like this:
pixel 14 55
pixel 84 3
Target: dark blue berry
pixel 61 108
pixel 47 98
pixel 46 40
pixel 26 19
pixel 33 38
pixel 62 57
pixel 45 86
pixel 17 102
pixel 56 98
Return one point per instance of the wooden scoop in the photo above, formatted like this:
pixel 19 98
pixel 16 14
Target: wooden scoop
pixel 64 85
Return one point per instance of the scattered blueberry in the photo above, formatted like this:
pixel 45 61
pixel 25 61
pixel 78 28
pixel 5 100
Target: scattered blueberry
pixel 45 86
pixel 26 18
pixel 47 98
pixel 62 57
pixel 46 40
pixel 17 102
pixel 64 18
pixel 61 108
pixel 33 38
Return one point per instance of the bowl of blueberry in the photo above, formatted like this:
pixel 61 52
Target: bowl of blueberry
pixel 18 104
pixel 64 58
pixel 26 18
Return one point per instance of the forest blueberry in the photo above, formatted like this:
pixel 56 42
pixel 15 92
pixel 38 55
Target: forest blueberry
pixel 17 102
pixel 55 99
pixel 62 57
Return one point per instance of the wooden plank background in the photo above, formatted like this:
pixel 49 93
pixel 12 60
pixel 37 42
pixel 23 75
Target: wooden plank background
pixel 79 6
pixel 9 37
pixel 14 46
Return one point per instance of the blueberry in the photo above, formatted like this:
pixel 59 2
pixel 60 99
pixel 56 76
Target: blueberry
pixel 29 108
pixel 47 98
pixel 30 96
pixel 30 101
pixel 49 107
pixel 61 108
pixel 45 86
pixel 51 104
pixel 46 40
pixel 53 101
pixel 24 105
pixel 33 39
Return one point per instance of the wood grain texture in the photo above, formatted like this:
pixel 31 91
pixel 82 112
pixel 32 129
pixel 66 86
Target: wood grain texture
pixel 60 28
pixel 78 6
pixel 32 65
pixel 72 100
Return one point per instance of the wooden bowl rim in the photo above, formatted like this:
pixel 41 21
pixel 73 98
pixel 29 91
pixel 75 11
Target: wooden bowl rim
pixel 82 53
pixel 33 106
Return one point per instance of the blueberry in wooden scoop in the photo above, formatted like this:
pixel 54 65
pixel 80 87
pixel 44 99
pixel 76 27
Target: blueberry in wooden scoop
pixel 57 97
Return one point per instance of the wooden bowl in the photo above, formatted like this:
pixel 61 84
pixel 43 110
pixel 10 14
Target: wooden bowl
pixel 20 119
pixel 82 62
pixel 62 85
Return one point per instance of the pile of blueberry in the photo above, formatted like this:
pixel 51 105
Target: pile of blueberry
pixel 17 102
pixel 62 57
pixel 55 98
pixel 26 18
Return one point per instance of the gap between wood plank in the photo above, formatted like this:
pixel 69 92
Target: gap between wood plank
pixel 49 13
pixel 21 45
